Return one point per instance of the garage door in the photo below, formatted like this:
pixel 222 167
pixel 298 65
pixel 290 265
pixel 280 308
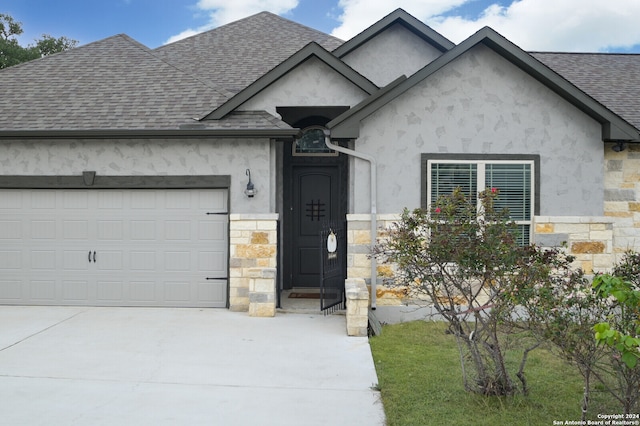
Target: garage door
pixel 137 247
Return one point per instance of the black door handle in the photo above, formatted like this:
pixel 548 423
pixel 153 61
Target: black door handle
pixel 89 256
pixel 94 257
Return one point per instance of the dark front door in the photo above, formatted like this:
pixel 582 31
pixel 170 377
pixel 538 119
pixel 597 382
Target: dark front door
pixel 316 200
pixel 315 192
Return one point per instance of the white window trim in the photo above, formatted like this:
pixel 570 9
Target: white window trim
pixel 481 181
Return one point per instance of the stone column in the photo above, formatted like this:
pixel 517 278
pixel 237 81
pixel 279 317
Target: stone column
pixel 357 306
pixel 252 263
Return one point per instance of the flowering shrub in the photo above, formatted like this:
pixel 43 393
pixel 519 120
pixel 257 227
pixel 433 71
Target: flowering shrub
pixel 467 262
pixel 463 259
pixel 559 309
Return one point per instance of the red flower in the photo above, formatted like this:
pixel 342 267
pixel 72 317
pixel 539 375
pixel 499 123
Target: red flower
pixel 437 210
pixel 494 190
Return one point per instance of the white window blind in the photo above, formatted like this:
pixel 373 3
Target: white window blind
pixel 445 177
pixel 513 179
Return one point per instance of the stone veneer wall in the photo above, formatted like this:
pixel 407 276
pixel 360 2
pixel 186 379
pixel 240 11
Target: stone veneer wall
pixel 252 263
pixel 359 249
pixel 622 195
pixel 589 239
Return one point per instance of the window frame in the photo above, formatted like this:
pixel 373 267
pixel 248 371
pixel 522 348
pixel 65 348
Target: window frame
pixel 482 160
pixel 296 153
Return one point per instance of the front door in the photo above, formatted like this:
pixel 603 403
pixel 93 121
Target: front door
pixel 315 192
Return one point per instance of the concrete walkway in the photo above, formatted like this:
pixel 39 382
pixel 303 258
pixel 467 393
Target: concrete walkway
pixel 147 366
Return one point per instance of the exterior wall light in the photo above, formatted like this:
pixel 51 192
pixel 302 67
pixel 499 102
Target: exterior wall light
pixel 619 147
pixel 250 191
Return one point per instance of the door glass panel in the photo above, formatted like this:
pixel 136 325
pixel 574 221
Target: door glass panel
pixel 312 142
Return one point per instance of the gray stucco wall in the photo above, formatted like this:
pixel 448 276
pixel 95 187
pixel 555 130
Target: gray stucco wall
pixel 312 83
pixel 151 157
pixel 392 53
pixel 482 104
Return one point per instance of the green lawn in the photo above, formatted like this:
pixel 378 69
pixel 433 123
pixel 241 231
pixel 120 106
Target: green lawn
pixel 421 384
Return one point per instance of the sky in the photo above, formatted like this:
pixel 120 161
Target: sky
pixel 534 25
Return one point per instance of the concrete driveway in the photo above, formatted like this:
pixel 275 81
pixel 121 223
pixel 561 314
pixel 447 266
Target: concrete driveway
pixel 148 366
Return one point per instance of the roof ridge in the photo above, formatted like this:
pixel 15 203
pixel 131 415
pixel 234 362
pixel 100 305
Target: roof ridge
pixel 617 126
pixel 245 19
pixel 223 92
pixel 75 50
pixel 584 53
pixel 312 49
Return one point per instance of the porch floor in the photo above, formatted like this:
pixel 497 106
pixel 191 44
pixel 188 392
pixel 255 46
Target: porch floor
pixel 301 305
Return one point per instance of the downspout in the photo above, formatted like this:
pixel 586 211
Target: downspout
pixel 374 200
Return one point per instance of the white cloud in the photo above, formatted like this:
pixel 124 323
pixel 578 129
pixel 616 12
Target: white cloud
pixel 562 25
pixel 187 33
pixel 359 14
pixel 224 11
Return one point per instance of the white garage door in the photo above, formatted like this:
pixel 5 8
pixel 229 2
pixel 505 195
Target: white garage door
pixel 134 247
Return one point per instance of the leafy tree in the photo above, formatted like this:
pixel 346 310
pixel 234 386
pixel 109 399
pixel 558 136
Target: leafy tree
pixel 11 53
pixel 620 330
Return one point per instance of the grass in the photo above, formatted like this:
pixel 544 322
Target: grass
pixel 420 381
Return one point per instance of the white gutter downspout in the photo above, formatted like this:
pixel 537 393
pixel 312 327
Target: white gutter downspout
pixel 374 212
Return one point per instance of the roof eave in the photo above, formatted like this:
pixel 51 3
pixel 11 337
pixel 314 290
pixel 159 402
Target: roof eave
pixel 351 130
pixel 613 126
pixel 399 16
pixel 285 134
pixel 310 50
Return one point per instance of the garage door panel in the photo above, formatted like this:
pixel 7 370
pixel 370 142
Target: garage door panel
pixel 42 291
pixel 10 229
pixel 143 291
pixel 212 291
pixel 75 200
pixel 177 261
pixel 143 230
pixel 111 199
pixel 214 229
pixel 11 201
pixel 42 229
pixel 177 230
pixel 143 261
pixel 75 260
pixel 41 199
pixel 75 229
pixel 10 260
pixel 213 202
pixel 11 289
pixel 151 247
pixel 43 260
pixel 178 200
pixel 177 291
pixel 75 290
pixel 109 260
pixel 213 262
pixel 144 200
pixel 110 230
pixel 110 291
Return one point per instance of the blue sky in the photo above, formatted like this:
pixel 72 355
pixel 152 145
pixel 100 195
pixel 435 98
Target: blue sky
pixel 546 25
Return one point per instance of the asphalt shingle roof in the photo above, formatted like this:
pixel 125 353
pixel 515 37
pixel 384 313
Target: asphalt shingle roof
pixel 115 83
pixel 235 55
pixel 120 84
pixel 610 78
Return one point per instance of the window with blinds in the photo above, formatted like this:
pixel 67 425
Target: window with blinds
pixel 512 178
